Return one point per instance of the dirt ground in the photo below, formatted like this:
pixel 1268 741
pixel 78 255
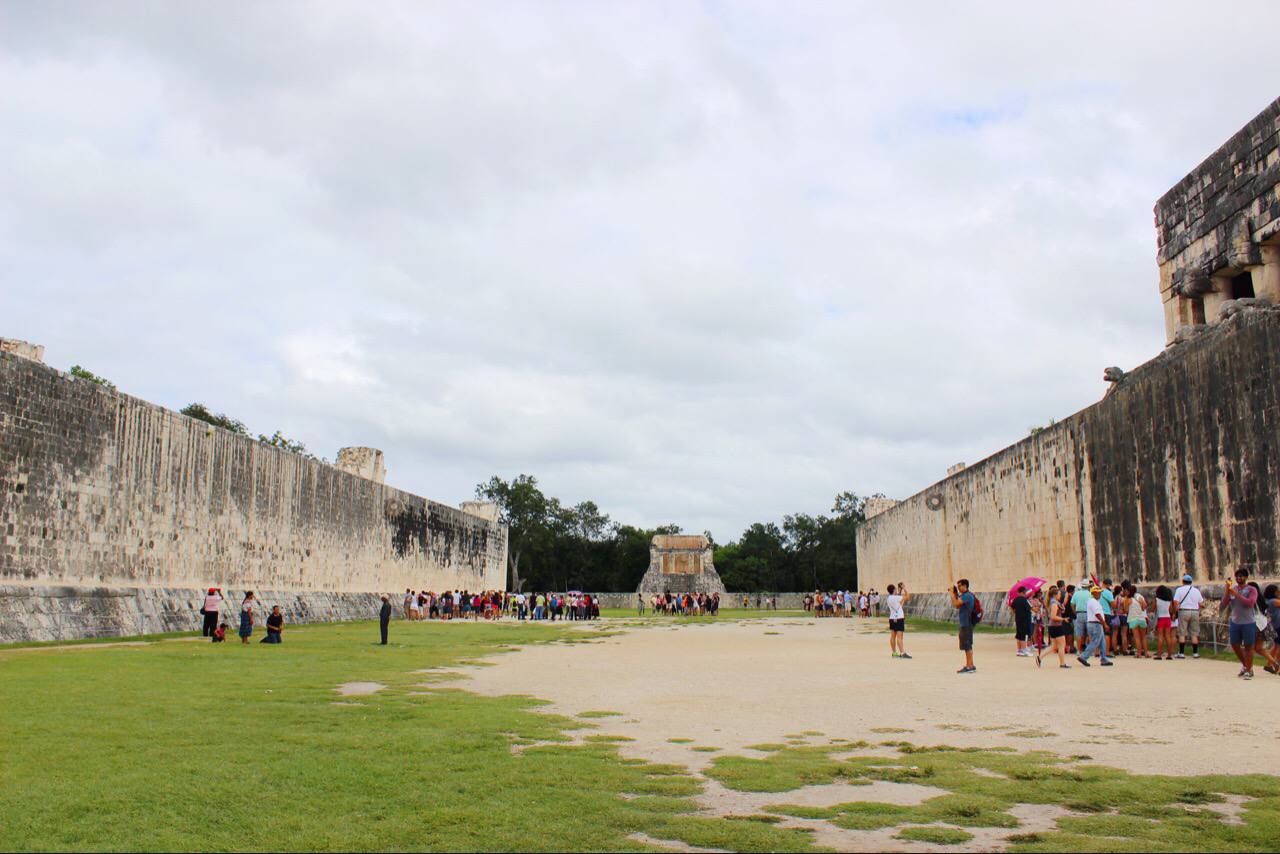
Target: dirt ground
pixel 734 684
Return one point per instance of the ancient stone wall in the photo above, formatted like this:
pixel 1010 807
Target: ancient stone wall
pixel 1218 229
pixel 1178 469
pixel 100 490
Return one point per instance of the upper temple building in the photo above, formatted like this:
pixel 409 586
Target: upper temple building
pixel 1218 229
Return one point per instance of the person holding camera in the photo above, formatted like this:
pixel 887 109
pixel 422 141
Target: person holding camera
pixel 897 597
pixel 964 602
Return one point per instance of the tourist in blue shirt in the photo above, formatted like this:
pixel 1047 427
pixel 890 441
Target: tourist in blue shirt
pixel 964 602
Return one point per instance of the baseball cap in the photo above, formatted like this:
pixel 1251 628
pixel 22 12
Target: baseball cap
pixel 1095 589
pixel 1187 578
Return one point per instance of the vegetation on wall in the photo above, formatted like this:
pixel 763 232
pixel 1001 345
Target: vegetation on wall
pixel 556 547
pixel 83 374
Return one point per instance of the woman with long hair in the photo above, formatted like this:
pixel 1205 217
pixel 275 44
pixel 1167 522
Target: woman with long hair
pixel 1059 627
pixel 1164 623
pixel 246 617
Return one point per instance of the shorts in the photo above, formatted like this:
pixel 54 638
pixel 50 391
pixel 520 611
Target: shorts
pixel 1059 631
pixel 1022 633
pixel 1081 623
pixel 1137 622
pixel 1164 623
pixel 966 638
pixel 1244 634
pixel 1189 623
pixel 898 625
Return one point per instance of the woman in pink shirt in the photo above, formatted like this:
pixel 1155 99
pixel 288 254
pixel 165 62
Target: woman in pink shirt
pixel 212 605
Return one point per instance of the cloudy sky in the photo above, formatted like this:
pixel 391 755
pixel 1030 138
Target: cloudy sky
pixel 706 263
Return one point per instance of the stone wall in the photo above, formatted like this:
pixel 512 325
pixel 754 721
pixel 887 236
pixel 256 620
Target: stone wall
pixel 1218 229
pixel 103 491
pixel 1178 469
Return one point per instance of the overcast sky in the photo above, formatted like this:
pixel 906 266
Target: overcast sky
pixel 703 263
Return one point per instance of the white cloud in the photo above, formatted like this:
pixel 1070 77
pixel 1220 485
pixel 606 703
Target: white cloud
pixel 701 263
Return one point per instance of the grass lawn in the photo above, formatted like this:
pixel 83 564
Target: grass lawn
pixel 190 746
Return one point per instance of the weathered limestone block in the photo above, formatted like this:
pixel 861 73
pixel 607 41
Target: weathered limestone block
pixel 362 462
pixel 876 506
pixel 25 349
pixel 681 564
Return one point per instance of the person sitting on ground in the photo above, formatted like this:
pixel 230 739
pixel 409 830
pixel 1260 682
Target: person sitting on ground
pixel 897 597
pixel 220 633
pixel 275 625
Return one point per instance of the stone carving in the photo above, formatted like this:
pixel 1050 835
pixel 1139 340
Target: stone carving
pixel 680 564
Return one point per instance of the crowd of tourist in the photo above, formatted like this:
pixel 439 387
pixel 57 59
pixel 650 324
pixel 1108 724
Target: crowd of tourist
pixel 683 604
pixel 842 603
pixel 1107 620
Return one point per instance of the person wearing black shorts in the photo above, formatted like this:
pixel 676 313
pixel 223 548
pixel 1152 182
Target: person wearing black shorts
pixel 1060 627
pixel 897 597
pixel 964 603
pixel 1022 621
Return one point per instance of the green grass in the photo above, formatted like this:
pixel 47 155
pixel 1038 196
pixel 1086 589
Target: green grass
pixel 1120 811
pixel 192 746
pixel 936 835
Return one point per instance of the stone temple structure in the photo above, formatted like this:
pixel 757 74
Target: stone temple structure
pixel 680 564
pixel 1177 468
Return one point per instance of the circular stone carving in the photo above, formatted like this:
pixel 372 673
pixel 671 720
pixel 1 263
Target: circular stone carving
pixel 934 502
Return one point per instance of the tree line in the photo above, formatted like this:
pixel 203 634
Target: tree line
pixel 553 546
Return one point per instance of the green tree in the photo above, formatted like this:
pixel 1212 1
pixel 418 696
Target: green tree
pixel 524 509
pixel 83 374
pixel 284 443
pixel 201 412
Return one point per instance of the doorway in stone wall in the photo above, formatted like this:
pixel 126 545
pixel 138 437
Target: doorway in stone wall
pixel 1242 286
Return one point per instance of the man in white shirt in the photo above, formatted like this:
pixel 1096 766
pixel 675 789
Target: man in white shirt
pixel 1095 624
pixel 1187 601
pixel 897 597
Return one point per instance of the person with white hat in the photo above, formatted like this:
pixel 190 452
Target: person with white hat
pixel 1096 626
pixel 1187 600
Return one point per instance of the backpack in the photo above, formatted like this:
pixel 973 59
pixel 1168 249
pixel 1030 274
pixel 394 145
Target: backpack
pixel 977 610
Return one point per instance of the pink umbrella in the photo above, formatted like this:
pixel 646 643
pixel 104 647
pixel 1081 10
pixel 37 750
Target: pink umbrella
pixel 1032 584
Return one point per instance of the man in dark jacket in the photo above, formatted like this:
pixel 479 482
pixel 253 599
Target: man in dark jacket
pixel 384 618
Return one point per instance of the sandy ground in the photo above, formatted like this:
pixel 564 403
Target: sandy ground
pixel 734 684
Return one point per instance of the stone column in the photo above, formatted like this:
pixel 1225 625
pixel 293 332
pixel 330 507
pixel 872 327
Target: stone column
pixel 1215 298
pixel 1266 281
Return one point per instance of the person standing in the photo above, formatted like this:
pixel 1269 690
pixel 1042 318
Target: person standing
pixel 1164 623
pixel 964 603
pixel 1242 600
pixel 384 618
pixel 897 597
pixel 1080 607
pixel 1187 601
pixel 212 608
pixel 1059 626
pixel 1022 621
pixel 246 617
pixel 1096 626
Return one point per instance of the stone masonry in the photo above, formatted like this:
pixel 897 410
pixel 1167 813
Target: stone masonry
pixel 1218 230
pixel 115 513
pixel 1177 468
pixel 681 564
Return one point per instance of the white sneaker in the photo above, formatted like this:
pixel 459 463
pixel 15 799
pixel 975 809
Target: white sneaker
pixel 1179 655
pixel 1195 655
